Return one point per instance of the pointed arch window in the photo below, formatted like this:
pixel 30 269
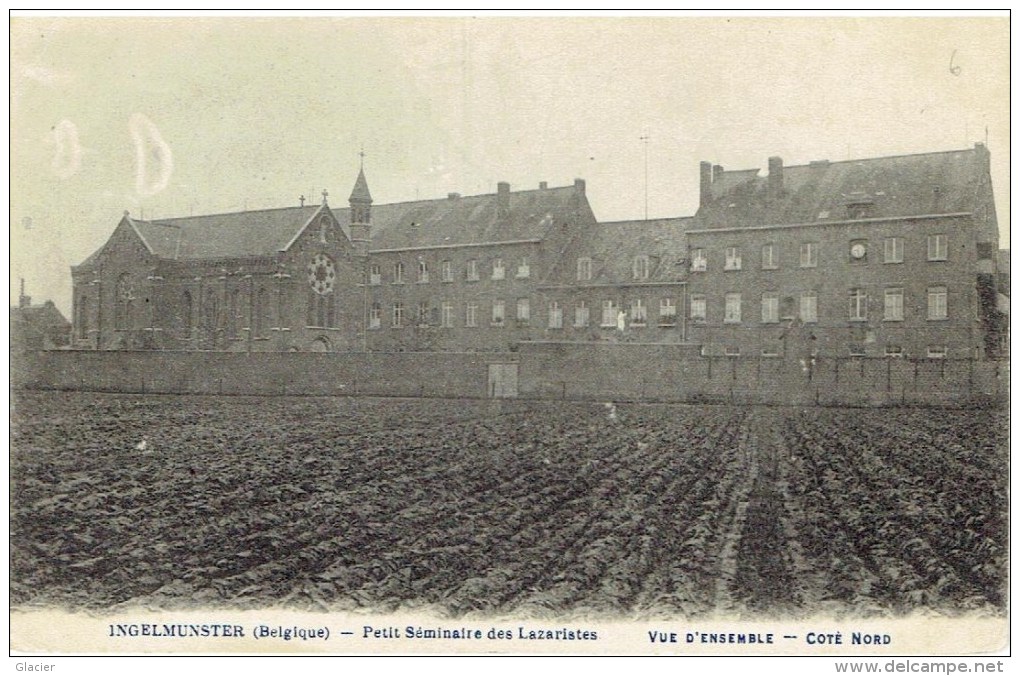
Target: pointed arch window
pixel 261 313
pixel 186 316
pixel 281 309
pixel 211 310
pixel 83 316
pixel 124 303
pixel 322 311
pixel 234 320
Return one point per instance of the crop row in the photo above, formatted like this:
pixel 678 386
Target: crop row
pixel 892 534
pixel 476 508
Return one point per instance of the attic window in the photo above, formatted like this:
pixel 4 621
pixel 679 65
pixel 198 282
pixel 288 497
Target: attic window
pixel 856 210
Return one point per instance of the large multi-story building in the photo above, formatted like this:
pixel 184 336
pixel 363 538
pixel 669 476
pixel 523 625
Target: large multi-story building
pixel 891 257
pixel 622 281
pixel 883 257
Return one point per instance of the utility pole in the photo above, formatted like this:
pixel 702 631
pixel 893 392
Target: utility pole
pixel 645 138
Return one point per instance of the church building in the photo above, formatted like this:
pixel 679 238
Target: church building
pixel 447 274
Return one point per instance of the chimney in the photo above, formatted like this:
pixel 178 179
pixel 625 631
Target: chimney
pixel 706 184
pixel 776 174
pixel 717 171
pixel 579 186
pixel 503 199
pixel 23 300
pixel 542 185
pixel 452 195
pixel 984 157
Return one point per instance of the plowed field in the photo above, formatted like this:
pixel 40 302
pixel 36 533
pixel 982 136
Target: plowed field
pixel 514 508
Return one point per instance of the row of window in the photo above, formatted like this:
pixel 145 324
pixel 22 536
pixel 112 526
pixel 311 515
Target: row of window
pixel 854 350
pixel 857 253
pixel 892 306
pixel 498 270
pixel 892 252
pixel 444 315
pixel 641 268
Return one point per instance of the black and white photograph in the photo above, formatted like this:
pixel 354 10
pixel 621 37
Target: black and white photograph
pixel 514 335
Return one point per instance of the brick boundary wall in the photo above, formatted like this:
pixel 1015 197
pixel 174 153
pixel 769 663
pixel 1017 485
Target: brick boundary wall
pixel 617 372
pixel 679 373
pixel 399 374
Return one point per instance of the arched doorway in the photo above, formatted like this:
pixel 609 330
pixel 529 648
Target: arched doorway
pixel 321 344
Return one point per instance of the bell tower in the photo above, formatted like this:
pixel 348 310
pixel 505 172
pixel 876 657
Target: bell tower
pixel 361 212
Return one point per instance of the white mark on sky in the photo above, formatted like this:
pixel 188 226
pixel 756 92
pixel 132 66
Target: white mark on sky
pixel 67 158
pixel 48 77
pixel 154 161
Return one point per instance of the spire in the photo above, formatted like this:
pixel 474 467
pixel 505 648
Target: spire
pixel 361 212
pixel 360 192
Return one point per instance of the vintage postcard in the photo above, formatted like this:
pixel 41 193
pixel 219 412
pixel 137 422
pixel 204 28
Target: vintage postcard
pixel 511 335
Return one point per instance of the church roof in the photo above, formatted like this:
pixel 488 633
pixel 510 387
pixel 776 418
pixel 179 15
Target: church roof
pixel 451 221
pixel 475 219
pixel 612 248
pixel 885 187
pixel 360 192
pixel 240 234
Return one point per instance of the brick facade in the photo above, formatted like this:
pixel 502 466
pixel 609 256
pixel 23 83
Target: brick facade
pixel 888 257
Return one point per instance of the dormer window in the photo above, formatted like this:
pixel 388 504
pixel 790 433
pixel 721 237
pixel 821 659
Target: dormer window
pixel 857 210
pixel 640 267
pixel 583 269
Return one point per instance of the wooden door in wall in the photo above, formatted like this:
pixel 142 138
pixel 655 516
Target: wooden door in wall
pixel 503 381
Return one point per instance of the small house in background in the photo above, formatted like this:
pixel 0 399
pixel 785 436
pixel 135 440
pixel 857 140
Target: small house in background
pixel 38 327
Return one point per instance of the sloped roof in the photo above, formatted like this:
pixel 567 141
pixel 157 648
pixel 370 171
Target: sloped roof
pixel 612 248
pixel 235 235
pixel 45 316
pixel 904 185
pixel 452 221
pixel 470 220
pixel 360 192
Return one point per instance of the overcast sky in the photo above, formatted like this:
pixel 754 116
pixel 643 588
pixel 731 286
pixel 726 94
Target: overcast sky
pixel 180 116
